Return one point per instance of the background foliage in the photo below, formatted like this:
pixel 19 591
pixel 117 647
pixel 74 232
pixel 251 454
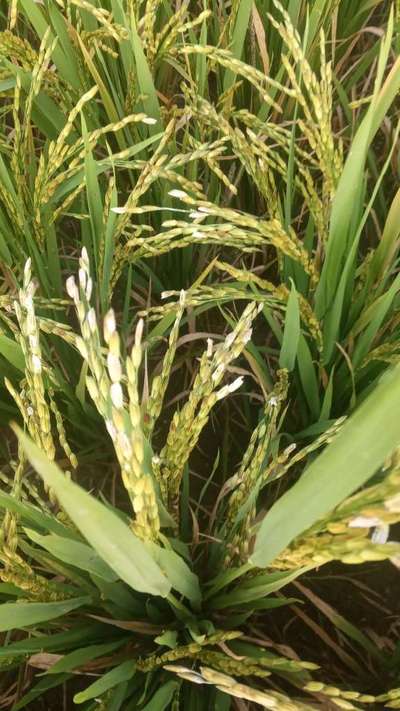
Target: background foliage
pixel 199 232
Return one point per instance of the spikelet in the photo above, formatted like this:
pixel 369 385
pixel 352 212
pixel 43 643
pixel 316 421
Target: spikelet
pixel 260 231
pixel 8 535
pixel 11 205
pixel 316 206
pixel 13 14
pixel 16 163
pixel 14 568
pixel 281 292
pixel 106 216
pixel 187 424
pixel 147 29
pixel 186 651
pixel 200 295
pixel 62 153
pixel 104 18
pixel 149 174
pixel 18 48
pixel 345 534
pixel 105 384
pixel 247 481
pixel 19 573
pixel 229 685
pixel 57 153
pixel 61 430
pixel 391 699
pixel 211 157
pixel 385 353
pixel 38 72
pixel 284 461
pixel 228 665
pixel 58 148
pixel 254 157
pixel 340 698
pixel 254 473
pixel 32 401
pixel 166 39
pixel 182 235
pixel 69 200
pixel 315 101
pixel 255 77
pixel 160 382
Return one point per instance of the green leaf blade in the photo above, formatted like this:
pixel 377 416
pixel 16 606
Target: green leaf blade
pixel 291 333
pixel 123 672
pixel 103 529
pixel 368 437
pixel 23 614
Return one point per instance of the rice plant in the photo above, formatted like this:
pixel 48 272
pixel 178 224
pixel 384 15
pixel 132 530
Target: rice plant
pixel 196 218
pixel 103 564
